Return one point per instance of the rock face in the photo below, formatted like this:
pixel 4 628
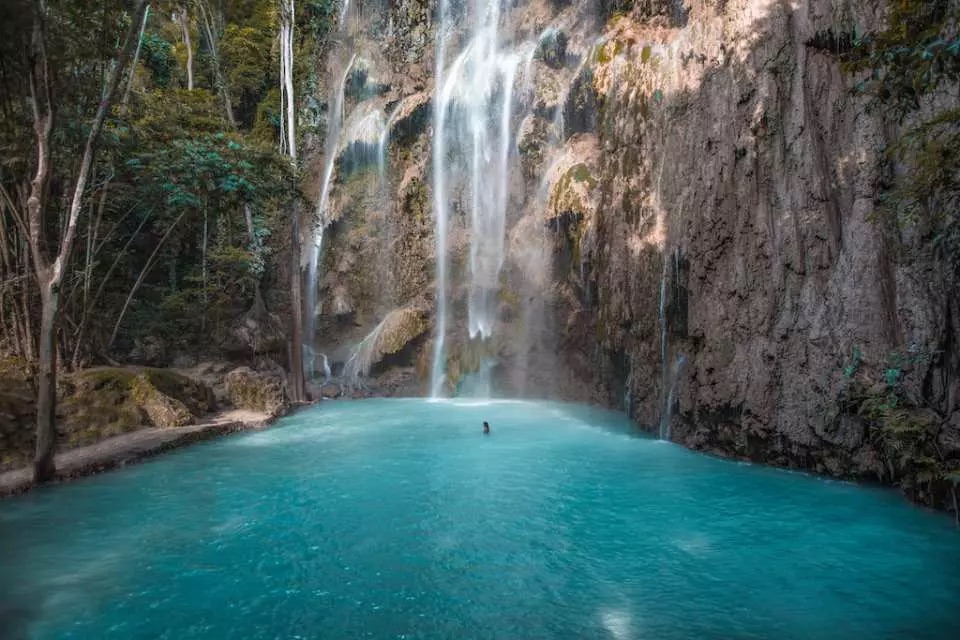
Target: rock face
pixel 97 404
pixel 689 234
pixel 255 391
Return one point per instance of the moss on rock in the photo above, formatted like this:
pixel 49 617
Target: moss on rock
pixel 106 402
pixel 248 389
pixel 161 409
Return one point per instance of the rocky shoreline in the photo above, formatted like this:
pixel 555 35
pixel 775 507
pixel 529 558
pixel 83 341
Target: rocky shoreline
pixel 134 447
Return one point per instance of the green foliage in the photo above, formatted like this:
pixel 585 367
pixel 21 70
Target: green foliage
pixel 908 65
pixel 851 369
pixel 900 428
pixel 916 54
pixel 157 55
pixel 321 16
pixel 186 216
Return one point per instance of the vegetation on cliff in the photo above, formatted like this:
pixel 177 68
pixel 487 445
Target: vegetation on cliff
pixel 911 69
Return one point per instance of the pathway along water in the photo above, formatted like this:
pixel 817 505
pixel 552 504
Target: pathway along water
pixel 399 519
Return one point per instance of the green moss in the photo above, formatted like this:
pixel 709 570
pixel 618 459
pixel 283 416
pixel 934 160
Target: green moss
pixel 100 404
pixel 416 200
pixel 255 392
pixel 581 173
pixel 106 402
pixel 15 368
pixel 645 54
pixel 564 197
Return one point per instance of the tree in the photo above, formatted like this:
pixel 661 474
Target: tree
pixel 50 270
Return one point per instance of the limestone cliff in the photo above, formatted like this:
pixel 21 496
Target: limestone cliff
pixel 688 235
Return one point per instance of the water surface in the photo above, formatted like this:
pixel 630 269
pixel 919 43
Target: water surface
pixel 398 519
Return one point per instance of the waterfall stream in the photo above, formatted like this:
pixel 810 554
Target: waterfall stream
pixel 331 146
pixel 472 148
pixel 438 369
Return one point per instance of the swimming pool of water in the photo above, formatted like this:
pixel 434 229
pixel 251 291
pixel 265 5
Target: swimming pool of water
pixel 398 519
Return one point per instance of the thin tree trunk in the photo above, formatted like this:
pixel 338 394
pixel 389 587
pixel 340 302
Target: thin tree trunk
pixel 43 462
pixel 50 275
pixel 103 283
pixel 140 278
pixel 29 353
pixel 136 56
pixel 185 27
pixel 258 303
pixel 203 267
pixel 214 40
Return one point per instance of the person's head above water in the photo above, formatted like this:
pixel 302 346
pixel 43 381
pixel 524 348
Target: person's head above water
pixel 486 427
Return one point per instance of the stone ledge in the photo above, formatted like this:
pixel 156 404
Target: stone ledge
pixel 133 447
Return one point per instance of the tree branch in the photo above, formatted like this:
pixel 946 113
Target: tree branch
pixel 110 89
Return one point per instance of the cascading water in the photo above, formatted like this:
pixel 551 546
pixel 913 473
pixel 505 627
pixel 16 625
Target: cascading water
pixel 670 374
pixel 331 147
pixel 472 148
pixel 382 145
pixel 437 370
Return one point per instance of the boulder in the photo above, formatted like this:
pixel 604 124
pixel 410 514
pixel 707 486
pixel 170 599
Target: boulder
pixel 162 410
pixel 213 376
pixel 104 402
pixel 255 391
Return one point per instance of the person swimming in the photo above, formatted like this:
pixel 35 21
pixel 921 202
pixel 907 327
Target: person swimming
pixel 486 428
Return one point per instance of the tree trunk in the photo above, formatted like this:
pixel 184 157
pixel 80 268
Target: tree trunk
pixel 43 465
pixel 140 278
pixel 213 40
pixel 28 334
pixel 185 26
pixel 203 266
pixel 88 308
pixel 258 302
pixel 136 56
pixel 50 274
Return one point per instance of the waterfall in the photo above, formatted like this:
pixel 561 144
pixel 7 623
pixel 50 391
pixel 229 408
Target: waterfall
pixel 438 370
pixel 670 375
pixel 671 396
pixel 664 375
pixel 383 145
pixel 331 146
pixel 473 94
pixel 327 374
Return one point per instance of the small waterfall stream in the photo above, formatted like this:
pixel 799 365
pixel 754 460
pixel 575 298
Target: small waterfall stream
pixel 670 374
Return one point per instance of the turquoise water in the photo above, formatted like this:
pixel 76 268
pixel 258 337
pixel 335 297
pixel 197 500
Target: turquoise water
pixel 398 519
